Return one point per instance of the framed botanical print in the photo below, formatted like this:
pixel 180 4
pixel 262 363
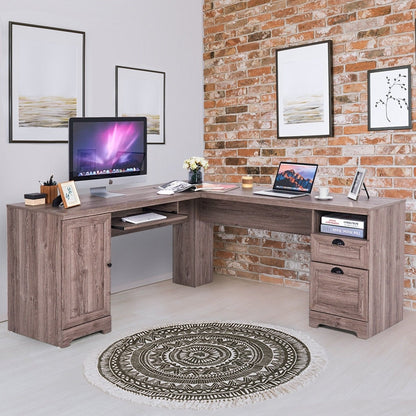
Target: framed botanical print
pixel 304 90
pixel 141 92
pixel 69 194
pixel 46 82
pixel 389 98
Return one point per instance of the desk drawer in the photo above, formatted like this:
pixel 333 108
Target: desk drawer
pixel 340 291
pixel 345 251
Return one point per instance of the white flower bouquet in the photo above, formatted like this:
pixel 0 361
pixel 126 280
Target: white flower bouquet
pixel 195 163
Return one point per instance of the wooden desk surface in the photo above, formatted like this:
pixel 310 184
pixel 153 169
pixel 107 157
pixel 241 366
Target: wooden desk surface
pixel 146 196
pixel 339 203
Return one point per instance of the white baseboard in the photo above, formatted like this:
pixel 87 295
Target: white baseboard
pixel 115 288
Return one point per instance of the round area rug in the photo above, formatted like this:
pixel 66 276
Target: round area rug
pixel 206 365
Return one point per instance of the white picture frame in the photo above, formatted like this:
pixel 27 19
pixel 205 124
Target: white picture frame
pixel 141 92
pixel 46 82
pixel 357 184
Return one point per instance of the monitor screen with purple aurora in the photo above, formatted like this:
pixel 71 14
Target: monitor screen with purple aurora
pixel 107 147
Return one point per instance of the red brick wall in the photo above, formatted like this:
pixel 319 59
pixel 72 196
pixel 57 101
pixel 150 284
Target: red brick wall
pixel 240 41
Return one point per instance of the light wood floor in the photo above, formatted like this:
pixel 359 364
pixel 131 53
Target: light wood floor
pixel 372 377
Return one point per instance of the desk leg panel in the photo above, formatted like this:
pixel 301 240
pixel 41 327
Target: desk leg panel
pixel 34 274
pixel 192 248
pixel 386 227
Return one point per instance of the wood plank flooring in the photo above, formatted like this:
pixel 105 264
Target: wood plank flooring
pixel 363 377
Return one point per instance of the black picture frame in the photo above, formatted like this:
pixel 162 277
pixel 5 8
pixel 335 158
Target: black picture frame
pixel 44 94
pixel 389 98
pixel 141 92
pixel 304 90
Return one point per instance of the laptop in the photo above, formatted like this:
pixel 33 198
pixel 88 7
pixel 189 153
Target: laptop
pixel 292 180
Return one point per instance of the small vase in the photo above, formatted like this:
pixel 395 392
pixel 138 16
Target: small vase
pixel 195 176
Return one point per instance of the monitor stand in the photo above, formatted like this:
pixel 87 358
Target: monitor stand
pixel 102 192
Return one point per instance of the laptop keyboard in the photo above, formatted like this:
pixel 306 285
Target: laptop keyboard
pixel 285 192
pixel 272 192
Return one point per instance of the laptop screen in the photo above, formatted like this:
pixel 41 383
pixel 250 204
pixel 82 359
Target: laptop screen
pixel 297 177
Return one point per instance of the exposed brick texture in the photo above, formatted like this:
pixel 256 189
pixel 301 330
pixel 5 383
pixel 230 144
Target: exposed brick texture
pixel 240 41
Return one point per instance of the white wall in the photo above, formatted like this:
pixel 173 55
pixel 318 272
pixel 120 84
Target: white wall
pixel 162 35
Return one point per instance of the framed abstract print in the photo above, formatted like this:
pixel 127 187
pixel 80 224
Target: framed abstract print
pixel 304 91
pixel 141 92
pixel 46 82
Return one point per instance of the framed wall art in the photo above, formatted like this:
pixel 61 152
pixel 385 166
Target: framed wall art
pixel 46 81
pixel 389 98
pixel 304 90
pixel 141 92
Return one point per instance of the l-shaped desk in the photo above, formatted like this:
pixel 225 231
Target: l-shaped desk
pixel 59 259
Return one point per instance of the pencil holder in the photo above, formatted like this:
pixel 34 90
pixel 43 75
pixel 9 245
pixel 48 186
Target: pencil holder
pixel 51 192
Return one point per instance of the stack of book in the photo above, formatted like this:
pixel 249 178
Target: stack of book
pixel 344 224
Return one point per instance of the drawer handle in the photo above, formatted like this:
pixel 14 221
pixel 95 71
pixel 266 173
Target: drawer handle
pixel 109 264
pixel 337 270
pixel 338 242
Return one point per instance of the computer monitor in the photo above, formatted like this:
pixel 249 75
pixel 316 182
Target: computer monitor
pixel 107 147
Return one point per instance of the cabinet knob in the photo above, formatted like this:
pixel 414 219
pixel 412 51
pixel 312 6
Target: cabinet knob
pixel 338 242
pixel 109 264
pixel 337 270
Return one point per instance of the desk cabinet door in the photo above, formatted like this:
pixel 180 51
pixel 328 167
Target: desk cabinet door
pixel 85 270
pixel 339 290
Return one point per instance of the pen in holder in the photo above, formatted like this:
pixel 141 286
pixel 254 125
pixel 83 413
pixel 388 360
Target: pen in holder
pixel 50 189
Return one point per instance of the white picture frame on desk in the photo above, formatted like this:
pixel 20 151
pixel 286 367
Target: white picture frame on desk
pixel 357 184
pixel 69 194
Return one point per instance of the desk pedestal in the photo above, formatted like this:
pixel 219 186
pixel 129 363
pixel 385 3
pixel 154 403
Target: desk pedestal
pixel 192 247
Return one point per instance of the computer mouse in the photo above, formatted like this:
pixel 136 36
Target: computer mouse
pixel 165 192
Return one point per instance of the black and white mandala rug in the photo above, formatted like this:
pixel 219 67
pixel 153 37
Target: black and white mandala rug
pixel 206 365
